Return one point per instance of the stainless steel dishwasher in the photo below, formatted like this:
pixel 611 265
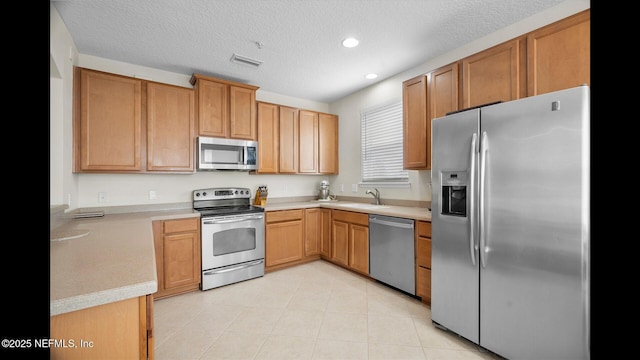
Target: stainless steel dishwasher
pixel 391 252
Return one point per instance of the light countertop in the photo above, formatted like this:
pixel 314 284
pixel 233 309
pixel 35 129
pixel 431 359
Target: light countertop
pixel 408 212
pixel 104 259
pixel 95 261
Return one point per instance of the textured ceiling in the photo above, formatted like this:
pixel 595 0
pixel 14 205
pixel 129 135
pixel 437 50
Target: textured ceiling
pixel 298 41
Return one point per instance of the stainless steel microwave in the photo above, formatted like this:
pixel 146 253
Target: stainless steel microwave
pixel 227 154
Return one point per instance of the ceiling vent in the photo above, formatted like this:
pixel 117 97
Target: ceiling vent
pixel 239 59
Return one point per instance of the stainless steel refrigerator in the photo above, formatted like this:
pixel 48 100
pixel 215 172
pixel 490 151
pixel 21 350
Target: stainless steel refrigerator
pixel 510 225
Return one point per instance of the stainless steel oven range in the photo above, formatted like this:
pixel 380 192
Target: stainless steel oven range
pixel 232 236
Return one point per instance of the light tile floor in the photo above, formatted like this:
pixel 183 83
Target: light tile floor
pixel 312 311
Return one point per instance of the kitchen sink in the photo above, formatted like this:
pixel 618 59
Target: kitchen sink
pixel 366 206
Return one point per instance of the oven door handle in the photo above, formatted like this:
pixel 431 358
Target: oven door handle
pixel 227 221
pixel 234 268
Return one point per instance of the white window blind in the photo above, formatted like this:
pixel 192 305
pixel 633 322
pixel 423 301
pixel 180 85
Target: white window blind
pixel 382 144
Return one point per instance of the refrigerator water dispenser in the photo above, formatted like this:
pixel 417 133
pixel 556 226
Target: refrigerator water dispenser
pixel 454 193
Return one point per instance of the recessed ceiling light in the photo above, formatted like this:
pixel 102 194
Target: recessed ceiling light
pixel 350 42
pixel 371 76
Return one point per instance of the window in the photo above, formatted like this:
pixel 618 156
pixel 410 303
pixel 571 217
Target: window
pixel 382 145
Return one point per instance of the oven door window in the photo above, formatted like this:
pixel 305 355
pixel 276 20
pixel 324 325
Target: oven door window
pixel 233 241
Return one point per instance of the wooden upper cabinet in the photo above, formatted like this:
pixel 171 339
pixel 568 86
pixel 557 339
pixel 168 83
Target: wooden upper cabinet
pixel 242 112
pixel 170 128
pixel 443 91
pixel 268 135
pixel 308 142
pixel 288 149
pixel 559 55
pixel 107 122
pixel 327 143
pixel 495 74
pixel 225 108
pixel 213 108
pixel 295 141
pixel 416 133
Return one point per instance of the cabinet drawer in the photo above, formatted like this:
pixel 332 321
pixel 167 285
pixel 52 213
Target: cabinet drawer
pixel 182 225
pixel 283 215
pixel 424 228
pixel 350 217
pixel 424 252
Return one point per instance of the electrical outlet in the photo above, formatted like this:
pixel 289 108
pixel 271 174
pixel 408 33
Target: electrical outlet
pixel 102 197
pixel 152 195
pixel 69 200
pixel 341 187
pixel 284 188
pixel 354 187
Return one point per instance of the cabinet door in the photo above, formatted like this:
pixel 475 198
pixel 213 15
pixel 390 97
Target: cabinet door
pixel 115 330
pixel 268 134
pixel 443 92
pixel 242 112
pixel 559 55
pixel 180 252
pixel 417 142
pixel 213 108
pixel 359 248
pixel 327 144
pixel 288 150
pixel 325 238
pixel 109 134
pixel 313 231
pixel 423 283
pixel 170 128
pixel 340 242
pixel 283 242
pixel 496 74
pixel 308 142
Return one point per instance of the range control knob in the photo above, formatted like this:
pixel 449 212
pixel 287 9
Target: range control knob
pixel 204 193
pixel 197 194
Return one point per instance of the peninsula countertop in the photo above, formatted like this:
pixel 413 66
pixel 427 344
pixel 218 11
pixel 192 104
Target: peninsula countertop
pixel 94 261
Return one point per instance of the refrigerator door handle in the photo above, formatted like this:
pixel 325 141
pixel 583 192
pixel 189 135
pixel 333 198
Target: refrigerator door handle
pixel 472 199
pixel 484 146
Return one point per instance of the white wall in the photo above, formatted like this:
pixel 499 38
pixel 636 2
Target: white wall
pixel 62 53
pixel 348 109
pixel 133 189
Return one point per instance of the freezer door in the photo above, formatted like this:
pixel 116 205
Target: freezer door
pixel 534 278
pixel 454 257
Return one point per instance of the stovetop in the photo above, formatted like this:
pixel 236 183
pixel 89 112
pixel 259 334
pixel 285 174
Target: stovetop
pixel 229 210
pixel 224 201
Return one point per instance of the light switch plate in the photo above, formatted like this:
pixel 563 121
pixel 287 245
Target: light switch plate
pixel 354 187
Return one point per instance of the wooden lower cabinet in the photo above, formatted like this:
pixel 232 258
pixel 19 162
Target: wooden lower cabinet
pixel 284 237
pixel 178 257
pixel 97 333
pixel 423 260
pixel 350 240
pixel 317 233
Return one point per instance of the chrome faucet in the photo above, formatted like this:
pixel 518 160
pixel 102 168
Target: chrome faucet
pixel 376 195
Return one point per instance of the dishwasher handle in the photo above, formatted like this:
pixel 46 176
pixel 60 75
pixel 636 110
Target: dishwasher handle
pixel 391 223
